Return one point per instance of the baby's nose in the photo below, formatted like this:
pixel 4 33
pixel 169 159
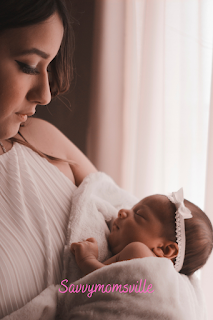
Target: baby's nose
pixel 122 214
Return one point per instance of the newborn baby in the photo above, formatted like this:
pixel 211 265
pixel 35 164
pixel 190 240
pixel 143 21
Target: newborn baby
pixel 136 233
pixel 149 229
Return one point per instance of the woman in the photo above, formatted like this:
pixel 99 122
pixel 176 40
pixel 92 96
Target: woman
pixel 35 189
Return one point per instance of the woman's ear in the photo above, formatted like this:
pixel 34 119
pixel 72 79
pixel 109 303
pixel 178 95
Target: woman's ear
pixel 168 250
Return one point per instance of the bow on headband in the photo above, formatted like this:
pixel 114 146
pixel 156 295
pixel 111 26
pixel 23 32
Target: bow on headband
pixel 177 198
pixel 182 213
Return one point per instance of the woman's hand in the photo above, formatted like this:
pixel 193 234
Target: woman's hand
pixel 85 252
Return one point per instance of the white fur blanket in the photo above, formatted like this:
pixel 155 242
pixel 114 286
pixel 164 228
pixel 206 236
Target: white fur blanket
pixel 171 297
pixel 175 296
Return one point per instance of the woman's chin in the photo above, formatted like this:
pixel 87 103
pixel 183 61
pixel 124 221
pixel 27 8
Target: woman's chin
pixel 7 134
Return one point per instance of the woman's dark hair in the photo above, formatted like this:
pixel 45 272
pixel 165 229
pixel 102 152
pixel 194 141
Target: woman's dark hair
pixel 23 13
pixel 199 235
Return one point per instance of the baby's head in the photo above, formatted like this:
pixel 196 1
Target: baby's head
pixel 199 239
pixel 152 221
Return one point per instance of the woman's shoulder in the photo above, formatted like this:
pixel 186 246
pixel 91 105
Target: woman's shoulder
pixel 45 137
pixel 48 139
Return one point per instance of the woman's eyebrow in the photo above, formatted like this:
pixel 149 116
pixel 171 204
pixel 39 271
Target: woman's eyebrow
pixel 40 53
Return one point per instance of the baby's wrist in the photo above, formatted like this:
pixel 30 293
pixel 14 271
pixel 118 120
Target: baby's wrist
pixel 90 265
pixel 86 261
pixel 89 259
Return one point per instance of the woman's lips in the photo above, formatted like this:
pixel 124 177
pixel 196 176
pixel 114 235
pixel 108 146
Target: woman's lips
pixel 23 114
pixel 22 117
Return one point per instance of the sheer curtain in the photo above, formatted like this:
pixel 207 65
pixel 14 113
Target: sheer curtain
pixel 150 102
pixel 166 97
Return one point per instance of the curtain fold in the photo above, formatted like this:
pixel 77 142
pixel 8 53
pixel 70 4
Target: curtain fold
pixel 207 272
pixel 105 133
pixel 143 123
pixel 149 121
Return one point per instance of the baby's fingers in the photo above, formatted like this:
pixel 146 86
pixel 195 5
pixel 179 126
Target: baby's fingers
pixel 91 240
pixel 73 247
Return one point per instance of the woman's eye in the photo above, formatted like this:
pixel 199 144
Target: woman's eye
pixel 27 69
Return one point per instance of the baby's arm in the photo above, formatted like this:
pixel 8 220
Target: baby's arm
pixel 134 250
pixel 86 254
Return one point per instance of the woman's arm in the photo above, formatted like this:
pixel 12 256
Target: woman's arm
pixel 48 139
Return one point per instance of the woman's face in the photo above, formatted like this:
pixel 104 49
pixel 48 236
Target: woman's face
pixel 25 54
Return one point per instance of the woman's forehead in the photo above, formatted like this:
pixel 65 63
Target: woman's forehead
pixel 46 36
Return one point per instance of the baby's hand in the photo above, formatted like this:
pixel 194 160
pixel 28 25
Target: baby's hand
pixel 85 251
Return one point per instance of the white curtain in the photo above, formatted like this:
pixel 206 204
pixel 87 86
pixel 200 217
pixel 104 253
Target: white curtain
pixel 166 97
pixel 149 120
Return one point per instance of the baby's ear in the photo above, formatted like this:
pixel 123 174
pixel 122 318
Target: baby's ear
pixel 168 250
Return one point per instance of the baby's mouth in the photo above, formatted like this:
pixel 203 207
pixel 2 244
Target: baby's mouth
pixel 116 227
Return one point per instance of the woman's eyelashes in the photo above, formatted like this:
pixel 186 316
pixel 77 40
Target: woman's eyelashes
pixel 28 69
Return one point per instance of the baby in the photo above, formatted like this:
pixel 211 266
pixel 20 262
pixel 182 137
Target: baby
pixel 157 226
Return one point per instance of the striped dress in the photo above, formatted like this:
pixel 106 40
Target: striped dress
pixel 35 202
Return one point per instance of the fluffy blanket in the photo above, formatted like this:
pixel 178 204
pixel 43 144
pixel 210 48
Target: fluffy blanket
pixel 147 288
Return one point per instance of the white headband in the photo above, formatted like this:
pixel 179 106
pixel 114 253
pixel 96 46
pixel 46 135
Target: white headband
pixel 181 214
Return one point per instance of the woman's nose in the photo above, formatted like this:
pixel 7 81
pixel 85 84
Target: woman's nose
pixel 40 90
pixel 122 214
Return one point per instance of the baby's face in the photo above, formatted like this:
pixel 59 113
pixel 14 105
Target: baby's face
pixel 138 224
